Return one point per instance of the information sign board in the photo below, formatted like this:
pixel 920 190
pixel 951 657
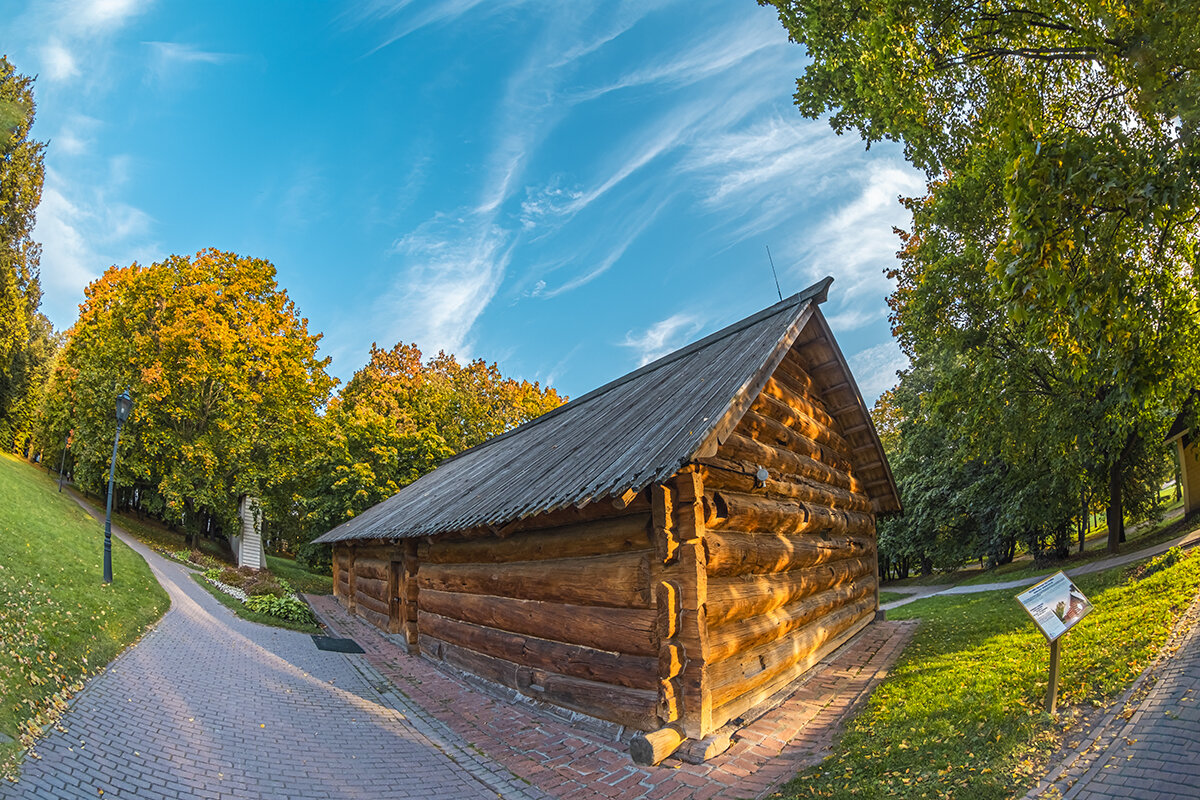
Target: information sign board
pixel 1055 605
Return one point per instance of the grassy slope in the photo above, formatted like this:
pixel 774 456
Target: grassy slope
pixel 961 713
pixel 301 579
pixel 58 622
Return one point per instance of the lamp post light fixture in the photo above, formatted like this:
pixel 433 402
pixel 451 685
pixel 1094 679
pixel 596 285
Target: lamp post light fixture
pixel 124 406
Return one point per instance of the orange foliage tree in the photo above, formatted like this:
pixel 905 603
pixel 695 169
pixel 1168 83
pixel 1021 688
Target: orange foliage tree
pixel 226 382
pixel 398 417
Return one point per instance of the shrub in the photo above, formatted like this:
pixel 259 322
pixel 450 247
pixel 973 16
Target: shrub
pixel 213 574
pixel 230 576
pixel 289 608
pixel 316 558
pixel 265 583
pixel 1157 564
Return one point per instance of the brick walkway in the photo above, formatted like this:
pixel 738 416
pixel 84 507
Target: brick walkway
pixel 566 762
pixel 1156 754
pixel 211 706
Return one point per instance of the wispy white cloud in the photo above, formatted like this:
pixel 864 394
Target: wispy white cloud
pixel 662 337
pixel 75 136
pixel 104 15
pixel 723 50
pixel 76 32
pixel 184 53
pixel 875 369
pixel 57 61
pixel 630 232
pixel 404 24
pixel 856 243
pixel 452 268
pixel 83 231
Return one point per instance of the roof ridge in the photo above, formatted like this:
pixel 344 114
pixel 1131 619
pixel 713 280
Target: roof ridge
pixel 818 293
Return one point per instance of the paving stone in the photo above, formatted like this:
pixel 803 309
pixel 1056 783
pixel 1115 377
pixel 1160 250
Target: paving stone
pixel 217 705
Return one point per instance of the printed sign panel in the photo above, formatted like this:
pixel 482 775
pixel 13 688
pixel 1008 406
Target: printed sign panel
pixel 1055 605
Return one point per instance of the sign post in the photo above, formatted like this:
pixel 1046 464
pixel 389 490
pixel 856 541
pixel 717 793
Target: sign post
pixel 1056 606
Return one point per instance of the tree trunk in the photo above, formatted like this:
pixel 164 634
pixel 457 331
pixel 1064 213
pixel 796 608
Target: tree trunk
pixel 1083 519
pixel 1116 513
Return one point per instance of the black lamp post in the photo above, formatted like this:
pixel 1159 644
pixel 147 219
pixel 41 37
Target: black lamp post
pixel 124 406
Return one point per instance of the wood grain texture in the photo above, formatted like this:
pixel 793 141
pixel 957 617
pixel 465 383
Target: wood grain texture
pixel 623 630
pixel 744 596
pixel 742 553
pixel 739 636
pixel 596 537
pixel 618 581
pixel 639 672
pixel 760 665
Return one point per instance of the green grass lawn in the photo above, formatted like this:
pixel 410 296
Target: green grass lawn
pixel 1096 549
pixel 301 579
pixel 961 715
pixel 887 597
pixel 59 623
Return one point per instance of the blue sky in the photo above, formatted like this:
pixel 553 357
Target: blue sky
pixel 569 189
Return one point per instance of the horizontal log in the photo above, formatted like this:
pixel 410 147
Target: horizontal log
pixel 619 581
pixel 796 368
pixel 773 432
pixel 791 392
pixel 738 553
pixel 374 617
pixel 637 672
pixel 759 514
pixel 375 604
pixel 748 700
pixel 373 568
pixel 623 630
pixel 744 596
pixel 372 587
pixel 743 448
pixel 736 637
pixel 572 515
pixel 597 537
pixel 759 665
pixel 800 422
pixel 633 708
pixel 738 476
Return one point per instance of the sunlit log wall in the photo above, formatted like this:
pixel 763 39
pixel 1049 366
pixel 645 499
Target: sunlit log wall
pixel 561 610
pixel 790 561
pixel 674 615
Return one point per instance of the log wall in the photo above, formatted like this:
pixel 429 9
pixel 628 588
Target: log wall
pixel 565 614
pixel 790 560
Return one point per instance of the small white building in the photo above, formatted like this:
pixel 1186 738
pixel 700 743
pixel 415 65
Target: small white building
pixel 247 543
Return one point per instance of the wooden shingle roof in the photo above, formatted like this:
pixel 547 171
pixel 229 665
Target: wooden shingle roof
pixel 611 442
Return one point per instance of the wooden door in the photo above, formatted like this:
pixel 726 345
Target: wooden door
pixel 396 597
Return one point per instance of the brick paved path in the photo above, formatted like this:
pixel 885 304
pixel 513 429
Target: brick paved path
pixel 211 706
pixel 1157 754
pixel 567 762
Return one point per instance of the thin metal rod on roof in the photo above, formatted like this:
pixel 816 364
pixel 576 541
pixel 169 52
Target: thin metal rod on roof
pixel 777 289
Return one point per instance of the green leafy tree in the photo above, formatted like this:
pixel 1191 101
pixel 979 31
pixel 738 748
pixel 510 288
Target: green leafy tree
pixel 225 377
pixel 29 372
pixel 21 176
pixel 1062 215
pixel 397 418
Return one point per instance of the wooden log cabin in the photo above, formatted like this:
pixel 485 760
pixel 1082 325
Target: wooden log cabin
pixel 668 552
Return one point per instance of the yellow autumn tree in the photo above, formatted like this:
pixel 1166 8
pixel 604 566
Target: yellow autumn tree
pixel 226 381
